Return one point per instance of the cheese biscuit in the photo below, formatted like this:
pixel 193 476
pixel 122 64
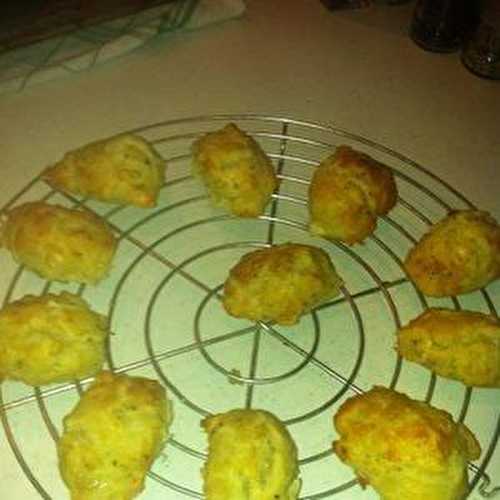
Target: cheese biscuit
pixel 459 254
pixel 348 191
pixel 280 283
pixel 59 243
pixel 112 437
pixel 51 338
pixel 251 456
pixel 124 169
pixel 462 345
pixel 238 174
pixel 405 449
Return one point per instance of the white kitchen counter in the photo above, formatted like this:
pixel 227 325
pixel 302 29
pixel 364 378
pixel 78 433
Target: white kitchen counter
pixel 355 70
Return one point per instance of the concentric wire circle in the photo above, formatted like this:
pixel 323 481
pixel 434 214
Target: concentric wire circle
pixel 163 302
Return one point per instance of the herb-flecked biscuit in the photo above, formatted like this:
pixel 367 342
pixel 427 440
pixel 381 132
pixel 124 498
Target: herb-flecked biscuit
pixel 237 173
pixel 251 456
pixel 462 345
pixel 459 254
pixel 280 283
pixel 125 169
pixel 112 436
pixel 348 191
pixel 59 243
pixel 51 338
pixel 405 449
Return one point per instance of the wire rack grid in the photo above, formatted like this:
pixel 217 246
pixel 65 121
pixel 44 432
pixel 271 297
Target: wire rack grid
pixel 163 303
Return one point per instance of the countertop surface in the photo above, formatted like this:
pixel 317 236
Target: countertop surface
pixel 354 70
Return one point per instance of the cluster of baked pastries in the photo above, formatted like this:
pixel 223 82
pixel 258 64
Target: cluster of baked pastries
pixel 70 244
pixel 405 449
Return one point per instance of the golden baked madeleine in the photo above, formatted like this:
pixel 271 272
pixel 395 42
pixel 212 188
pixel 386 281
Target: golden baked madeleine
pixel 112 437
pixel 459 254
pixel 251 456
pixel 238 174
pixel 59 243
pixel 124 169
pixel 348 191
pixel 462 345
pixel 405 449
pixel 51 338
pixel 280 283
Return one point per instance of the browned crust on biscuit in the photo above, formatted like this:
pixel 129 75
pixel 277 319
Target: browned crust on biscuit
pixel 348 191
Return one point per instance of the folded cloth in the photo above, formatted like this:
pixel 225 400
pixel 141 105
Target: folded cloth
pixel 83 49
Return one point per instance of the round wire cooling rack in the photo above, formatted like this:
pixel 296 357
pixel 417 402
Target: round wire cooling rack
pixel 163 302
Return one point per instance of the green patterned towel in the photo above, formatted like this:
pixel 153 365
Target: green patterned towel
pixel 83 49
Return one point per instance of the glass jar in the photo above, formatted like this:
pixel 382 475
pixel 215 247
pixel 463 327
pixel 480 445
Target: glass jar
pixel 481 51
pixel 439 25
